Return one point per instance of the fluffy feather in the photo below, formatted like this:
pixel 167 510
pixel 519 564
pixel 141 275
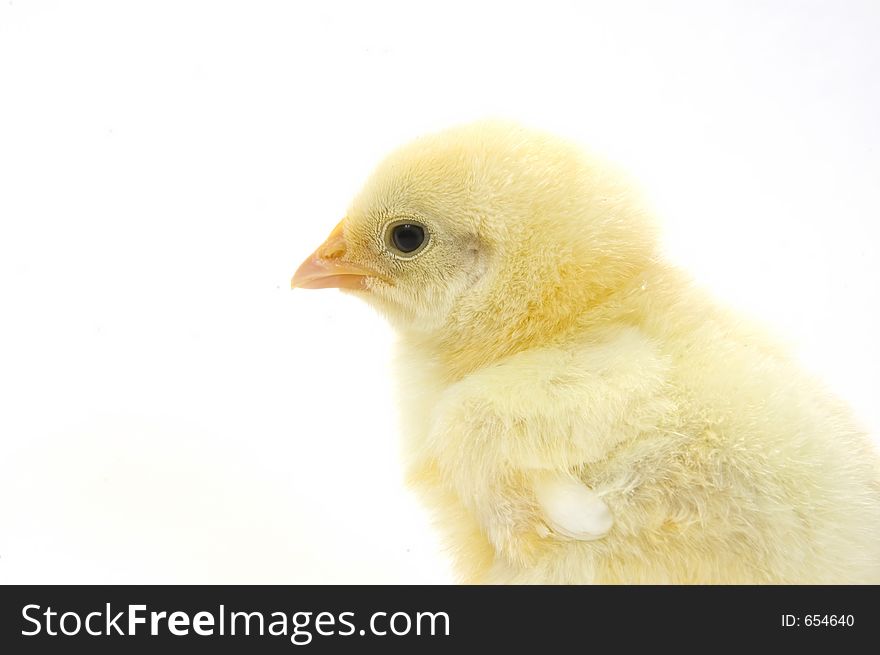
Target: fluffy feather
pixel 543 338
pixel 569 509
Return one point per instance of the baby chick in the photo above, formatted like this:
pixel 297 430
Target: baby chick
pixel 575 410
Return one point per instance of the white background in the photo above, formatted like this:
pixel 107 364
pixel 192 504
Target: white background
pixel 171 412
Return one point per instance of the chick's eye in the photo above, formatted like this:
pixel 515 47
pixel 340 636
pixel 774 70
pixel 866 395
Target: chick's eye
pixel 407 237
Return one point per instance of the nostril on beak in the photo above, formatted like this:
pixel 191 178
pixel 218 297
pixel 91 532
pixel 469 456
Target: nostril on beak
pixel 334 246
pixel 334 249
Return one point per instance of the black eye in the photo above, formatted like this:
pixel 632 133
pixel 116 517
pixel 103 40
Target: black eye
pixel 407 237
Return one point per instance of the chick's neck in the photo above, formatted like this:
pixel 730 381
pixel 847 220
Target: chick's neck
pixel 476 337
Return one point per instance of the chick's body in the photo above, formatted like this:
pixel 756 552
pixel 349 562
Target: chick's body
pixel 719 461
pixel 542 335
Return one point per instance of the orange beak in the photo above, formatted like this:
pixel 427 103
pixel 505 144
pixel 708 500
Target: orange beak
pixel 325 268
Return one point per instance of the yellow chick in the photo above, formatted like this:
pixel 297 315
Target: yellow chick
pixel 575 410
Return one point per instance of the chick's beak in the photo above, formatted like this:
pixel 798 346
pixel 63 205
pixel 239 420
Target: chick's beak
pixel 325 268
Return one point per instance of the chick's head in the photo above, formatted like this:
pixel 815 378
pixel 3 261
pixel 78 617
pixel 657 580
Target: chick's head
pixel 489 230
